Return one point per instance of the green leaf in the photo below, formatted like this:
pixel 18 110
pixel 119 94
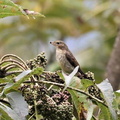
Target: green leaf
pixel 7 113
pixel 81 100
pixel 7 86
pixel 77 103
pixel 82 103
pixel 4 80
pixel 86 83
pixel 60 74
pixel 116 102
pixel 9 8
pixel 7 2
pixel 23 77
pixel 18 104
pixel 109 96
pixel 105 113
pixel 90 110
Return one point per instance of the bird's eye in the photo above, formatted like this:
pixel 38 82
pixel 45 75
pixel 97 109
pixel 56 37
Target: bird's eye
pixel 58 43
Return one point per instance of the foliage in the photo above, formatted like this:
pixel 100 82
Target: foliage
pixel 8 8
pixel 27 91
pixel 38 94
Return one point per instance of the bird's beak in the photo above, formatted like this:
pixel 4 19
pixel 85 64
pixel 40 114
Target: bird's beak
pixel 52 43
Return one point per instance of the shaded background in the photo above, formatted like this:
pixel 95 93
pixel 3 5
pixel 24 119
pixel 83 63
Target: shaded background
pixel 88 27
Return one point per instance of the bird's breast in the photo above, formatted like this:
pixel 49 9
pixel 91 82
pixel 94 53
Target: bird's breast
pixel 64 63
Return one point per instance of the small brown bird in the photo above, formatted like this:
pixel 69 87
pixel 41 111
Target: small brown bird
pixel 66 59
pixel 68 63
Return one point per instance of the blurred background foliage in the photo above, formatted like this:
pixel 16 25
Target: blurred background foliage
pixel 88 27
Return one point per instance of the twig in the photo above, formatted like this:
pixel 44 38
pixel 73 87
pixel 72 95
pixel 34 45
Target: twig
pixel 13 72
pixel 3 84
pixel 31 116
pixel 5 102
pixel 50 87
pixel 94 117
pixel 36 111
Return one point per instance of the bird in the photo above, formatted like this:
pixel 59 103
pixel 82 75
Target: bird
pixel 68 64
pixel 66 59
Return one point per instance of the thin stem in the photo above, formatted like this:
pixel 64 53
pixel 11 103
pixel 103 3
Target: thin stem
pixel 13 72
pixel 3 84
pixel 50 87
pixel 94 117
pixel 14 56
pixel 5 102
pixel 15 62
pixel 36 112
pixel 10 66
pixel 31 116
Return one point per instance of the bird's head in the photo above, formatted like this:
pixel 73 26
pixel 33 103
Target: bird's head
pixel 59 44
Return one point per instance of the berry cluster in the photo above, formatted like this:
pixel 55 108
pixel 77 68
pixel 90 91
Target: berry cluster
pixel 50 103
pixel 52 76
pixel 39 61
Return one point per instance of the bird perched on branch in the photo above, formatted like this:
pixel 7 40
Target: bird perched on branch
pixel 68 64
pixel 66 59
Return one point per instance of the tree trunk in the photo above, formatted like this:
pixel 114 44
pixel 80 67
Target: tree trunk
pixel 113 67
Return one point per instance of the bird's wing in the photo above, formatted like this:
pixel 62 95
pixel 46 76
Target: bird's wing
pixel 73 61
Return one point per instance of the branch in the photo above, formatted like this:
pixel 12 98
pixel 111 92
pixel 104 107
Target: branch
pixel 62 85
pixel 71 88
